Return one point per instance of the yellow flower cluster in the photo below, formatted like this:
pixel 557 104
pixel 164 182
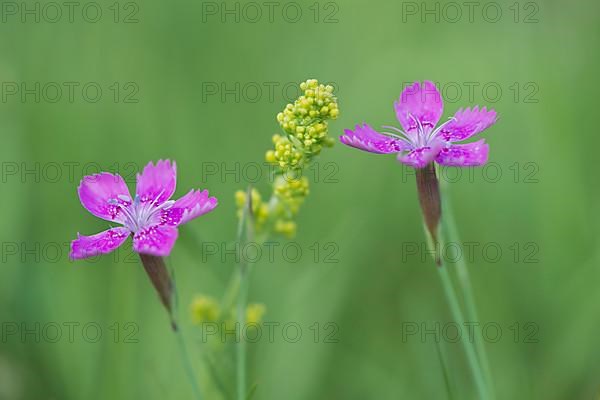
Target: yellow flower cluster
pixel 204 309
pixel 255 313
pixel 305 129
pixel 305 123
pixel 291 192
pixel 286 228
pixel 286 155
pixel 260 209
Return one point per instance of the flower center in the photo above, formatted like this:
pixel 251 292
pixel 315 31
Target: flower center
pixel 139 215
pixel 421 138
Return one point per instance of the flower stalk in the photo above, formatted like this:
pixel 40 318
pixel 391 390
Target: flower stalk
pixel 159 276
pixel 475 353
pixel 458 317
pixel 246 222
pixel 428 189
pixel 450 233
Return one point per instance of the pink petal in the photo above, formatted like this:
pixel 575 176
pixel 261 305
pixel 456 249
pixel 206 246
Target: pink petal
pixel 100 243
pixel 101 194
pixel 422 102
pixel 464 155
pixel 468 122
pixel 157 182
pixel 366 138
pixel 190 206
pixel 157 240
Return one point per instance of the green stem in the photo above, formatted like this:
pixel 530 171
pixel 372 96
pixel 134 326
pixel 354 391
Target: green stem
pixel 451 235
pixel 177 329
pixel 241 347
pixel 458 317
pixel 242 298
pixel 187 363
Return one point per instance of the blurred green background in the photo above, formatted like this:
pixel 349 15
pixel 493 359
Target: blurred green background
pixel 541 55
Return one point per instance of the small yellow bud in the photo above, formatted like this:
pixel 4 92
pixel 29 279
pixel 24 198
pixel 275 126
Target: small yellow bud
pixel 240 198
pixel 270 156
pixel 286 228
pixel 255 313
pixel 204 309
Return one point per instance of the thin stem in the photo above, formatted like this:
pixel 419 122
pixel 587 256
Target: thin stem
pixel 187 363
pixel 241 317
pixel 242 298
pixel 177 330
pixel 431 205
pixel 458 317
pixel 451 235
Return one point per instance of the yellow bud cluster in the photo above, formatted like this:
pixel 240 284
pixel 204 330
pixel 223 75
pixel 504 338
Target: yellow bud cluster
pixel 286 155
pixel 285 228
pixel 260 209
pixel 255 313
pixel 306 119
pixel 204 309
pixel 305 126
pixel 291 192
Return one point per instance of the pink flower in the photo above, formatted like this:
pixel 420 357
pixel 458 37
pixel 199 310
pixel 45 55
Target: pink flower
pixel 418 110
pixel 150 217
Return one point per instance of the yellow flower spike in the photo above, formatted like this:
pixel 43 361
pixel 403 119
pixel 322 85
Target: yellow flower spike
pixel 240 198
pixel 262 214
pixel 255 313
pixel 204 309
pixel 256 198
pixel 305 129
pixel 286 228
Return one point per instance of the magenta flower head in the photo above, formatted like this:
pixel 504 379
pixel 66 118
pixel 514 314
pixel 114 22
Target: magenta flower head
pixel 150 217
pixel 420 143
pixel 418 110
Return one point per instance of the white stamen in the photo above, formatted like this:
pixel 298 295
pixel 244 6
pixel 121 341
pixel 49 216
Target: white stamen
pixel 439 128
pixel 405 137
pixel 138 215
